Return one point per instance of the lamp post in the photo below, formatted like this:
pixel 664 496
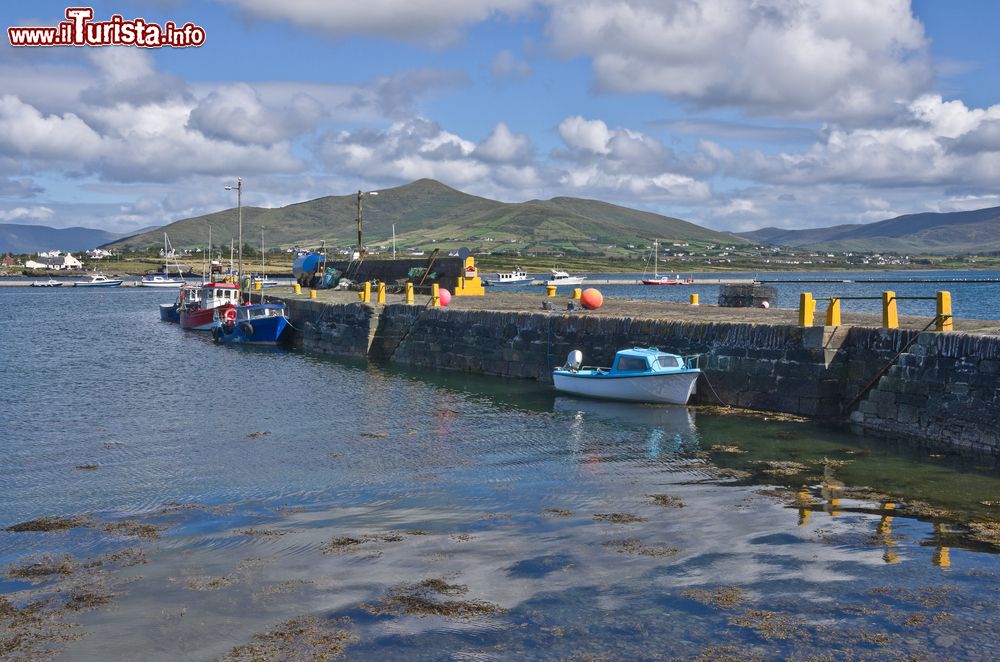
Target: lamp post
pixel 239 208
pixel 361 246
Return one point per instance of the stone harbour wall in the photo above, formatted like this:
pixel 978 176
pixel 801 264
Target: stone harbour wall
pixel 943 389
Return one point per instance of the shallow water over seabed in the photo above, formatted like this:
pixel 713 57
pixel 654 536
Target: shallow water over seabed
pixel 240 500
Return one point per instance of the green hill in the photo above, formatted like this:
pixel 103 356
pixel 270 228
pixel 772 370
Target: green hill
pixel 428 214
pixel 951 233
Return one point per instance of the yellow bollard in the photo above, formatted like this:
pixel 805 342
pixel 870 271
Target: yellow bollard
pixel 550 290
pixel 833 312
pixel 256 285
pixel 297 288
pixel 807 308
pixel 312 294
pixel 694 299
pixel 577 293
pixel 381 292
pixel 409 293
pixel 890 317
pixel 435 296
pixel 945 322
pixel 366 293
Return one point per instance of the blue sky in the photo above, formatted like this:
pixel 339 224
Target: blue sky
pixel 730 114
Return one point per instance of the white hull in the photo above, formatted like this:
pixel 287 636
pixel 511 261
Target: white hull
pixel 572 280
pixel 161 283
pixel 673 388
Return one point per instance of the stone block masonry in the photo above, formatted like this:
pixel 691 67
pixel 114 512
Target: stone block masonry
pixel 943 389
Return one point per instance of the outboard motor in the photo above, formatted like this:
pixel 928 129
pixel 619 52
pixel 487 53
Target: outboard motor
pixel 574 360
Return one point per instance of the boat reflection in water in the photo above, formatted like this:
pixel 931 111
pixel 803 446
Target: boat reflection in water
pixel 668 429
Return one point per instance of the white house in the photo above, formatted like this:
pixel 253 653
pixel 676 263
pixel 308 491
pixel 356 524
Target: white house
pixel 55 263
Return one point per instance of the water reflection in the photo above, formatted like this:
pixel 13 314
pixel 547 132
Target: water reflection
pixel 667 429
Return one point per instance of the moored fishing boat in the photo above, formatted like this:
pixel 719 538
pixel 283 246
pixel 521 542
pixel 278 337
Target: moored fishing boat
pixel 201 315
pixel 98 280
pixel 171 312
pixel 258 324
pixel 516 277
pixel 637 375
pixel 563 278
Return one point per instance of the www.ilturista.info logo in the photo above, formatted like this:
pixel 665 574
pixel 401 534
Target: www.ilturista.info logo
pixel 80 30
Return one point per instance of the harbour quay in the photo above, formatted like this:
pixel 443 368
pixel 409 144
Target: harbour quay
pixel 936 389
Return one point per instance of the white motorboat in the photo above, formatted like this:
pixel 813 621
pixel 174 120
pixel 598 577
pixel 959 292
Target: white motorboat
pixel 637 375
pixel 160 280
pixel 563 278
pixel 516 277
pixel 98 280
pixel 46 283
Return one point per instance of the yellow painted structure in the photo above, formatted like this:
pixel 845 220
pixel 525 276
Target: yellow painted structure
pixel 297 288
pixel 807 309
pixel 470 285
pixel 366 293
pixel 833 312
pixel 694 299
pixel 435 295
pixel 890 316
pixel 945 322
pixel 577 293
pixel 380 295
pixel 312 294
pixel 409 293
pixel 550 290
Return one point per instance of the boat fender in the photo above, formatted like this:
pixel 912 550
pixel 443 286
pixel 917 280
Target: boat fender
pixel 247 329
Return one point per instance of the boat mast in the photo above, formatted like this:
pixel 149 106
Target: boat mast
pixel 656 259
pixel 393 241
pixel 262 276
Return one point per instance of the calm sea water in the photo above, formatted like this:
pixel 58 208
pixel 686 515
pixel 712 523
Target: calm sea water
pixel 970 300
pixel 286 485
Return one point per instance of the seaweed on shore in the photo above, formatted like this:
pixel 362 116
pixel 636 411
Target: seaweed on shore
pixel 301 638
pixel 419 600
pixel 46 524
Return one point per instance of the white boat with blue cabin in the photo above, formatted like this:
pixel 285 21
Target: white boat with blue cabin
pixel 98 280
pixel 637 375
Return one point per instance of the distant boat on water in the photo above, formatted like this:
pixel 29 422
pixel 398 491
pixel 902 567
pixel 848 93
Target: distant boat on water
pixel 563 278
pixel 516 277
pixel 47 283
pixel 98 280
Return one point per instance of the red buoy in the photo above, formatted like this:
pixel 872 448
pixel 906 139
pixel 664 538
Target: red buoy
pixel 591 299
pixel 445 296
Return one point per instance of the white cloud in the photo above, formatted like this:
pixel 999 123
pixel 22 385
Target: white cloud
pixel 405 151
pixel 21 214
pixel 850 59
pixel 24 131
pixel 585 135
pixel 436 22
pixel 503 146
pixel 236 113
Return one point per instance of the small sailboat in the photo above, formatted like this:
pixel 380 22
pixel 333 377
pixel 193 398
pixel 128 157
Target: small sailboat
pixel 657 279
pixel 164 279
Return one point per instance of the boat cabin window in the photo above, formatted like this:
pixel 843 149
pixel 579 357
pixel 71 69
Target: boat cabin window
pixel 669 362
pixel 631 363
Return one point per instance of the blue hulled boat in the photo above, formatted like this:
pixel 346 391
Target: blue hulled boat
pixel 257 324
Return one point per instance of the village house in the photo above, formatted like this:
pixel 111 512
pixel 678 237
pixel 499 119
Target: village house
pixel 54 263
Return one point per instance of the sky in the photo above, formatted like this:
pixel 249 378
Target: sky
pixel 732 114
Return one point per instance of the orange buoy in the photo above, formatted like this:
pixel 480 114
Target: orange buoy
pixel 445 296
pixel 591 299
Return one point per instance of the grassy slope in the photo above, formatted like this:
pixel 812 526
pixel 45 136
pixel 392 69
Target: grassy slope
pixel 428 210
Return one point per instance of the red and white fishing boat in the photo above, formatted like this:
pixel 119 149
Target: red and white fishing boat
pixel 217 304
